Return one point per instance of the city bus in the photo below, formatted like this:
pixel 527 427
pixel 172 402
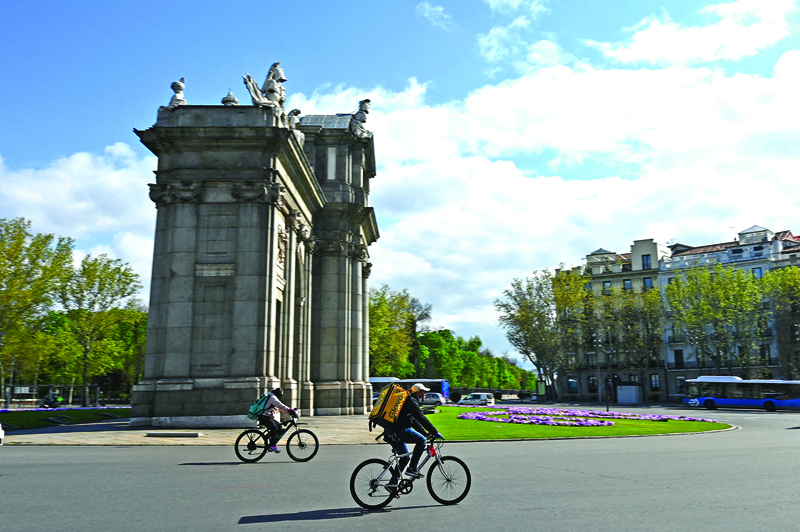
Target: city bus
pixel 713 391
pixel 441 386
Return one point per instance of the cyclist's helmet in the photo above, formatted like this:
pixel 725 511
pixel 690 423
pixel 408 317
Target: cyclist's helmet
pixel 419 387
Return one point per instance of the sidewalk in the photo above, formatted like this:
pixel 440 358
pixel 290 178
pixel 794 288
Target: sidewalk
pixel 331 430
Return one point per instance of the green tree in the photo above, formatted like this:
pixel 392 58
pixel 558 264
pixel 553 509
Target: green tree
pixel 93 297
pixel 573 304
pixel 389 340
pixel 31 267
pixel 721 310
pixel 528 312
pixel 418 313
pixel 782 288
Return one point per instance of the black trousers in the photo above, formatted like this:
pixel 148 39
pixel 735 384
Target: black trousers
pixel 273 427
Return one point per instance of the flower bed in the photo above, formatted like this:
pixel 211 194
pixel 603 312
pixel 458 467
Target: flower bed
pixel 564 418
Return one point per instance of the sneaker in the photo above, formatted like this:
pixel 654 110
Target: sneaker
pixel 412 472
pixel 273 449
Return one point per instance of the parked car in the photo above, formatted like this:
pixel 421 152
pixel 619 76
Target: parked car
pixel 2 435
pixel 434 399
pixel 478 399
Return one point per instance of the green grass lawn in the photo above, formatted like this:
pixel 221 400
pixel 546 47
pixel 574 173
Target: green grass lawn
pixel 452 428
pixel 31 419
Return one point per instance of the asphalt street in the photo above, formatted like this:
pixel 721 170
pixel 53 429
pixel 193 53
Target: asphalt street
pixel 734 480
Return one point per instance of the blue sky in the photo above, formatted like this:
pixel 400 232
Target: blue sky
pixel 510 135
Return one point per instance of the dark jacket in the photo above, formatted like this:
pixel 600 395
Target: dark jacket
pixel 411 416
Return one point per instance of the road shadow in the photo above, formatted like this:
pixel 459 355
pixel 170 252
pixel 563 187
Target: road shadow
pixel 317 515
pixel 95 426
pixel 215 463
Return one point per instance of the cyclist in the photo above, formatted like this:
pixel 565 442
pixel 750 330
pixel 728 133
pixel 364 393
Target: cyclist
pixel 402 432
pixel 270 417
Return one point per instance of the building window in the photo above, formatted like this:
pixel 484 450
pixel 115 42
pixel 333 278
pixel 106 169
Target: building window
pixel 678 358
pixel 606 288
pixel 626 284
pixel 646 263
pixel 655 382
pixel 681 385
pixel 572 386
pixel 757 273
pixel 626 267
pixel 648 283
pixel 592 384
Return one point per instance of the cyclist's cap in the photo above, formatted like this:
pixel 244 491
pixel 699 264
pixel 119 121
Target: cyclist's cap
pixel 419 387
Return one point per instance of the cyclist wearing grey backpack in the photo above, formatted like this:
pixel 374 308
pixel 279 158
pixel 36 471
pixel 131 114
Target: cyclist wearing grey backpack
pixel 402 432
pixel 270 417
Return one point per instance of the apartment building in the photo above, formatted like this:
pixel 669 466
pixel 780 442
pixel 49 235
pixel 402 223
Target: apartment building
pixel 651 265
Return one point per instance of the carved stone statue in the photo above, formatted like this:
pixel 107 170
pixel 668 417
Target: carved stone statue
pixel 358 120
pixel 271 94
pixel 293 118
pixel 273 85
pixel 177 98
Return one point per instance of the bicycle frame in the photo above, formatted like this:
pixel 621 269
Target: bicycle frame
pixel 286 426
pixel 432 452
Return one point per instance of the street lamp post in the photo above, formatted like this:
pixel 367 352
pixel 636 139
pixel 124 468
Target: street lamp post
pixel 598 344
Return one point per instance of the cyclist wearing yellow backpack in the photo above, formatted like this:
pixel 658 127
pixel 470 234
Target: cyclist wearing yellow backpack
pixel 401 432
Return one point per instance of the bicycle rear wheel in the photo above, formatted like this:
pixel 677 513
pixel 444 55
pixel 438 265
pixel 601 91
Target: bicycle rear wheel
pixel 302 446
pixel 251 445
pixel 449 482
pixel 369 484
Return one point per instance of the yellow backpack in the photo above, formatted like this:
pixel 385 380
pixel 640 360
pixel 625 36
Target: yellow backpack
pixel 387 407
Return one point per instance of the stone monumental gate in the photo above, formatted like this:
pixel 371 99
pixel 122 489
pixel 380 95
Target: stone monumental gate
pixel 260 261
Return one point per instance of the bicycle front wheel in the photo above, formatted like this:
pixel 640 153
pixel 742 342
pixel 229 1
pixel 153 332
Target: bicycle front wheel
pixel 449 480
pixel 369 484
pixel 302 446
pixel 251 445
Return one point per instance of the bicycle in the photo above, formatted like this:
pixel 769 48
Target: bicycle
pixel 375 482
pixel 302 444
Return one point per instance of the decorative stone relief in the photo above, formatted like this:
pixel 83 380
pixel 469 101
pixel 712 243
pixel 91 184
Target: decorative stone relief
pixel 299 226
pixel 283 242
pixel 164 194
pixel 277 194
pixel 186 191
pixel 332 247
pixel 177 98
pixel 366 269
pixel 358 120
pixel 159 194
pixel 251 191
pixel 358 252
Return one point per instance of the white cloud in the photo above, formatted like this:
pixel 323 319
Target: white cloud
pixel 534 7
pixel 99 200
pixel 742 30
pixel 503 42
pixel 436 15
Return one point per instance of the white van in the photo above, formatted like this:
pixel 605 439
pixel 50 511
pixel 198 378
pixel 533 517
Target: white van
pixel 477 399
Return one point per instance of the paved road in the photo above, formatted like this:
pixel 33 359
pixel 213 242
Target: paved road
pixel 735 480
